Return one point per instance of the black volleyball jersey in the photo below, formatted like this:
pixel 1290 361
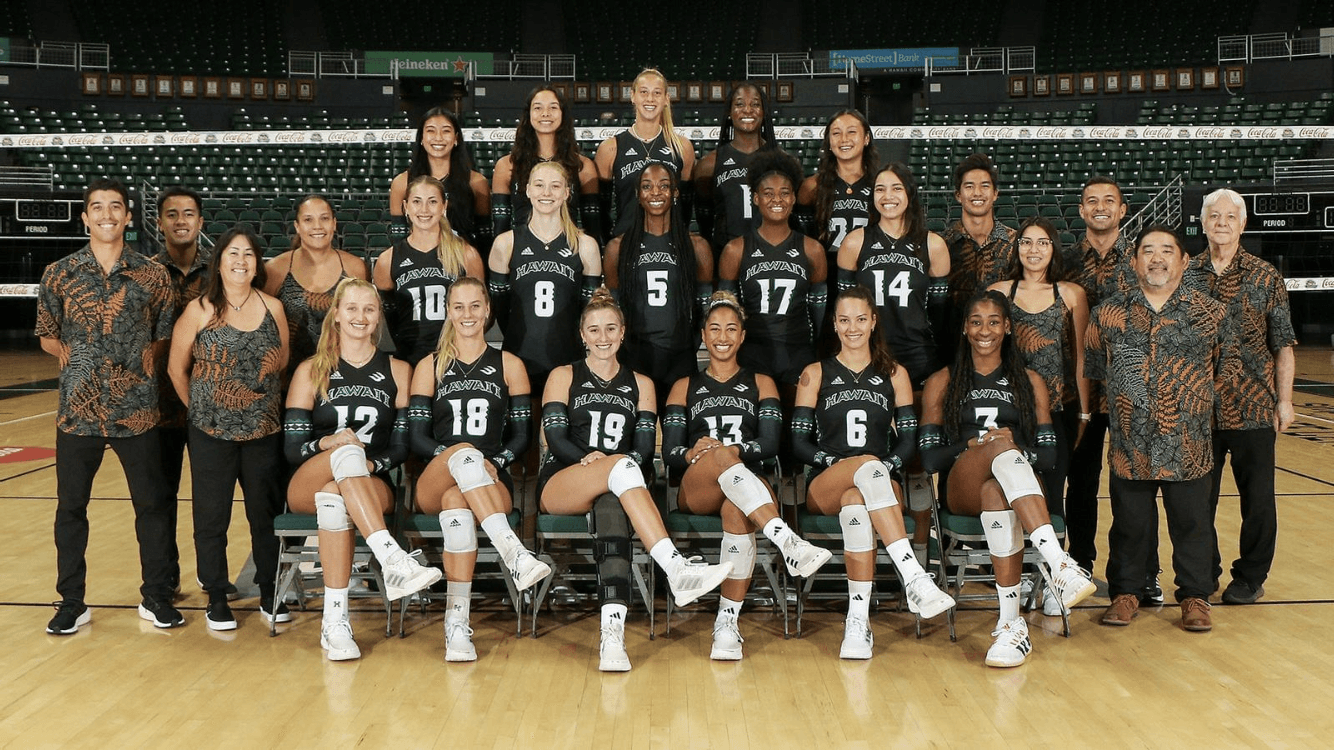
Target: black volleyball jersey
pixel 854 412
pixel 471 404
pixel 545 301
pixel 849 210
pixel 727 411
pixel 656 317
pixel 899 281
pixel 362 398
pixel 772 282
pixel 632 155
pixel 602 415
pixel 989 404
pixel 420 287
pixel 734 212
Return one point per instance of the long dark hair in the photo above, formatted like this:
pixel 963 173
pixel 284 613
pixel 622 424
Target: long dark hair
pixel 1013 367
pixel 882 359
pixel 1056 266
pixel 827 172
pixel 679 242
pixel 460 162
pixel 525 154
pixel 767 137
pixel 213 291
pixel 296 216
pixel 914 218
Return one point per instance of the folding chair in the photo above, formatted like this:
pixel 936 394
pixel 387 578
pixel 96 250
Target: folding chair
pixel 298 544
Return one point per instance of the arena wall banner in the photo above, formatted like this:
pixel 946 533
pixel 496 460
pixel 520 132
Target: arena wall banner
pixel 884 59
pixel 427 64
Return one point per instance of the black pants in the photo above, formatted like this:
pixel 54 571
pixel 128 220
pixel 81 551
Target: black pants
pixel 1081 499
pixel 1134 536
pixel 216 466
pixel 1253 469
pixel 172 441
pixel 1064 423
pixel 78 458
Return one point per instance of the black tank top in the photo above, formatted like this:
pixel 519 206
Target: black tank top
pixel 849 210
pixel 854 412
pixel 545 301
pixel 899 280
pixel 989 404
pixel 603 414
pixel 734 212
pixel 728 412
pixel 773 281
pixel 655 318
pixel 362 398
pixel 420 287
pixel 632 155
pixel 471 404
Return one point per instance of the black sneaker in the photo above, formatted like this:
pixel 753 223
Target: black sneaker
pixel 70 616
pixel 1241 592
pixel 229 590
pixel 161 613
pixel 1152 594
pixel 219 615
pixel 282 614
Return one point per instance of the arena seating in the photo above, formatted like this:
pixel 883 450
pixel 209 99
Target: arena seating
pixel 160 36
pixel 492 25
pixel 938 24
pixel 718 54
pixel 1078 37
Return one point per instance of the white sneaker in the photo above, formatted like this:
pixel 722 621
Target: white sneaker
pixel 403 575
pixel 527 570
pixel 1073 583
pixel 337 642
pixel 804 558
pixel 612 650
pixel 727 640
pixel 458 641
pixel 695 578
pixel 925 598
pixel 857 639
pixel 1012 644
pixel 1051 603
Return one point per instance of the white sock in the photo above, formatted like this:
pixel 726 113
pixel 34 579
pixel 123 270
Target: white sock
pixel 728 609
pixel 335 605
pixel 777 531
pixel 497 528
pixel 614 614
pixel 458 600
pixel 665 554
pixel 1044 538
pixel 383 544
pixel 1009 602
pixel 859 599
pixel 904 559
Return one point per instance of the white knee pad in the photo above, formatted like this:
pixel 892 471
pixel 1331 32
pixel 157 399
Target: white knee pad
pixel 1004 536
pixel 347 461
pixel 740 550
pixel 468 467
pixel 858 535
pixel 625 476
pixel 459 530
pixel 331 512
pixel 921 492
pixel 1015 476
pixel 877 489
pixel 746 491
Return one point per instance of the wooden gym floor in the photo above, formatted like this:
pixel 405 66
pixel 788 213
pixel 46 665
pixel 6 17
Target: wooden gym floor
pixel 1261 678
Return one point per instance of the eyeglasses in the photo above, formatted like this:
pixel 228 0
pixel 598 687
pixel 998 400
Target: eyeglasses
pixel 1041 242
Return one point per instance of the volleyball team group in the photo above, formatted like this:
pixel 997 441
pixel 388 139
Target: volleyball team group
pixel 843 339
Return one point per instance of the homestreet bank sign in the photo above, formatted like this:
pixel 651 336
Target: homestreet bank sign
pixel 427 64
pixel 914 57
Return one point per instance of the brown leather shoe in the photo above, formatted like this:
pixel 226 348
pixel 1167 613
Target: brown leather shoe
pixel 1195 615
pixel 1123 610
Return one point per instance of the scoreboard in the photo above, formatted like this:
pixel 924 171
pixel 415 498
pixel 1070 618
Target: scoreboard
pixel 42 218
pixel 1270 211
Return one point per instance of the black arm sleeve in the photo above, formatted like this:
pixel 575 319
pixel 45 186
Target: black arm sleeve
pixel 816 299
pixel 905 438
pixel 765 444
pixel 590 284
pixel 936 455
pixel 590 215
pixel 502 217
pixel 297 445
pixel 728 285
pixel 937 312
pixel 804 437
pixel 498 285
pixel 520 420
pixel 397 450
pixel 556 426
pixel 1043 457
pixel 804 216
pixel 847 278
pixel 703 293
pixel 398 227
pixel 646 436
pixel 674 437
pixel 420 439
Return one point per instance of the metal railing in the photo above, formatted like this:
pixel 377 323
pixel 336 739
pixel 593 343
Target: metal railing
pixel 328 65
pixel 987 60
pixel 1162 208
pixel 797 65
pixel 27 178
pixel 1302 169
pixel 542 67
pixel 1245 48
pixel 75 55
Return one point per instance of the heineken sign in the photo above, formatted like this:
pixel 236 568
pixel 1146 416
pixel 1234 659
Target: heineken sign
pixel 427 64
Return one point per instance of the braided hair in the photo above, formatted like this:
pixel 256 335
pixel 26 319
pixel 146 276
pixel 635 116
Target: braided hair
pixel 1012 365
